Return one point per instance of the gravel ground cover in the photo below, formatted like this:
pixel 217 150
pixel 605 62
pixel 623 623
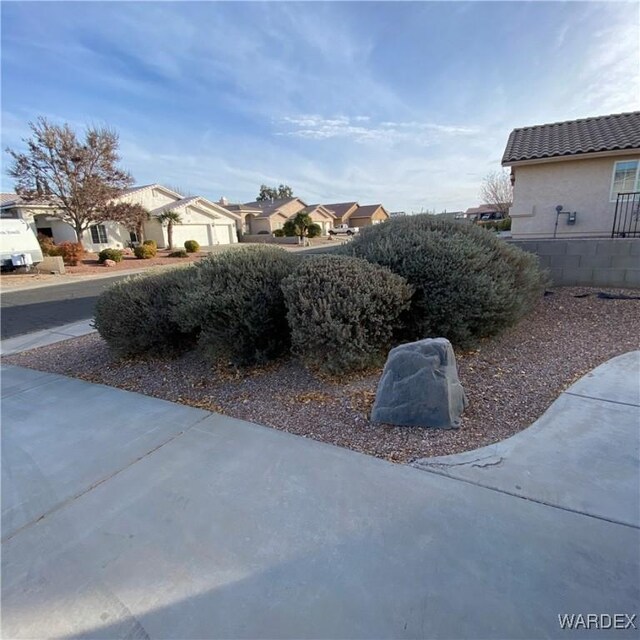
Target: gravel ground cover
pixel 510 380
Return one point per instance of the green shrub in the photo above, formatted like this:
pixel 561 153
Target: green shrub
pixel 110 254
pixel 343 311
pixel 180 253
pixel 145 251
pixel 191 246
pixel 289 229
pixel 134 316
pixel 238 305
pixel 314 231
pixel 468 283
pixel 279 233
pixel 151 243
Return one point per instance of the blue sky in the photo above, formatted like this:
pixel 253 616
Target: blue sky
pixel 405 103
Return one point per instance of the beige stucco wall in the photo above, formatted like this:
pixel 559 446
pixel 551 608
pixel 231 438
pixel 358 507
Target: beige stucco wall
pixel 583 186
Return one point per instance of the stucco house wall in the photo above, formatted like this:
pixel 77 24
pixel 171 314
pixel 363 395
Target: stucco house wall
pixel 580 185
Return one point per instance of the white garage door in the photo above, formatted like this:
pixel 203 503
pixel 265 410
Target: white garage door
pixel 197 232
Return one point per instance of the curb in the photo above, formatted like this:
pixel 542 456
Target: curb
pixel 46 337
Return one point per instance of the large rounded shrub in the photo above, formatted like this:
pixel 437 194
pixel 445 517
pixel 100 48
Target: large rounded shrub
pixel 343 311
pixel 110 254
pixel 145 251
pixel 237 305
pixel 134 316
pixel 468 283
pixel 191 246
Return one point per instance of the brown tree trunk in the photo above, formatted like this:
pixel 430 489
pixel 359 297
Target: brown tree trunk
pixel 170 235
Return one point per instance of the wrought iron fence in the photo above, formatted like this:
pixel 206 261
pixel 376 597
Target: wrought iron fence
pixel 626 220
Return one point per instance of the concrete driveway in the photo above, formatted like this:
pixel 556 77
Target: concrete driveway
pixel 130 517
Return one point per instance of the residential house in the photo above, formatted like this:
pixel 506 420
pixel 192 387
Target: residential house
pixel 204 221
pixel 342 211
pixel 265 216
pixel 367 215
pixel 322 216
pixel 568 177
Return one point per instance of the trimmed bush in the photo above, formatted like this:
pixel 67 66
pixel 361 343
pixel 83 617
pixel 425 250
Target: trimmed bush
pixel 278 233
pixel 145 251
pixel 110 254
pixel 191 246
pixel 238 305
pixel 71 252
pixel 343 311
pixel 47 246
pixel 468 283
pixel 151 243
pixel 180 253
pixel 135 316
pixel 314 231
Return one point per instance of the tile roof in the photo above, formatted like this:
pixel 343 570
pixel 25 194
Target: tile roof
pixel 366 211
pixel 268 207
pixel 574 137
pixel 8 198
pixel 174 205
pixel 483 208
pixel 340 208
pixel 322 208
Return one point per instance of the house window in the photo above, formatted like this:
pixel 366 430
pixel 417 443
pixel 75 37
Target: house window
pixel 133 236
pixel 626 177
pixel 99 234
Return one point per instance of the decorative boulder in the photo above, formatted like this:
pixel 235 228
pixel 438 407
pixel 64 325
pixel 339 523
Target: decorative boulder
pixel 420 386
pixel 109 263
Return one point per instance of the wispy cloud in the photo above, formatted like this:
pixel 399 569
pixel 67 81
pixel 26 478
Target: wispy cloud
pixel 315 127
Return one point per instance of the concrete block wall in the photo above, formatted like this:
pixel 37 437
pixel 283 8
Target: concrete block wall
pixel 265 238
pixel 595 262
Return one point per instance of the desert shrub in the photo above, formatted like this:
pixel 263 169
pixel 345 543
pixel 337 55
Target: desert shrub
pixel 134 316
pixel 191 246
pixel 279 233
pixel 145 251
pixel 289 229
pixel 238 305
pixel 47 245
pixel 71 252
pixel 468 283
pixel 343 311
pixel 110 254
pixel 180 253
pixel 314 231
pixel 151 243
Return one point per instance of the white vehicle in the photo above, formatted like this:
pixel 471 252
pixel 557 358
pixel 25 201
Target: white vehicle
pixel 343 229
pixel 19 246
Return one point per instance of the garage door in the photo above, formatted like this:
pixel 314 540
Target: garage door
pixel 197 232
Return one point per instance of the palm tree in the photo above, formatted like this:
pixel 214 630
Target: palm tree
pixel 170 218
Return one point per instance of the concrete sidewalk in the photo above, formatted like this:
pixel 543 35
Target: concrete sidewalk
pixel 45 337
pixel 126 516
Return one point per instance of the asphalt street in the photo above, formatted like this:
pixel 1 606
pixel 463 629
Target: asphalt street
pixel 48 307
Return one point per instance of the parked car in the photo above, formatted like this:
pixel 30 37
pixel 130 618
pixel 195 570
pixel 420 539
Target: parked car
pixel 343 229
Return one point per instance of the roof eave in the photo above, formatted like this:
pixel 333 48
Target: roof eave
pixel 572 156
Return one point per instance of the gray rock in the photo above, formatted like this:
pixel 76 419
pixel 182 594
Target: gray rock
pixel 420 386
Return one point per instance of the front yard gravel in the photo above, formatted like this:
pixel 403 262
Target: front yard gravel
pixel 509 380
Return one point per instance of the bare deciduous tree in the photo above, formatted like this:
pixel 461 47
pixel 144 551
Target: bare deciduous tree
pixel 497 191
pixel 129 214
pixel 81 177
